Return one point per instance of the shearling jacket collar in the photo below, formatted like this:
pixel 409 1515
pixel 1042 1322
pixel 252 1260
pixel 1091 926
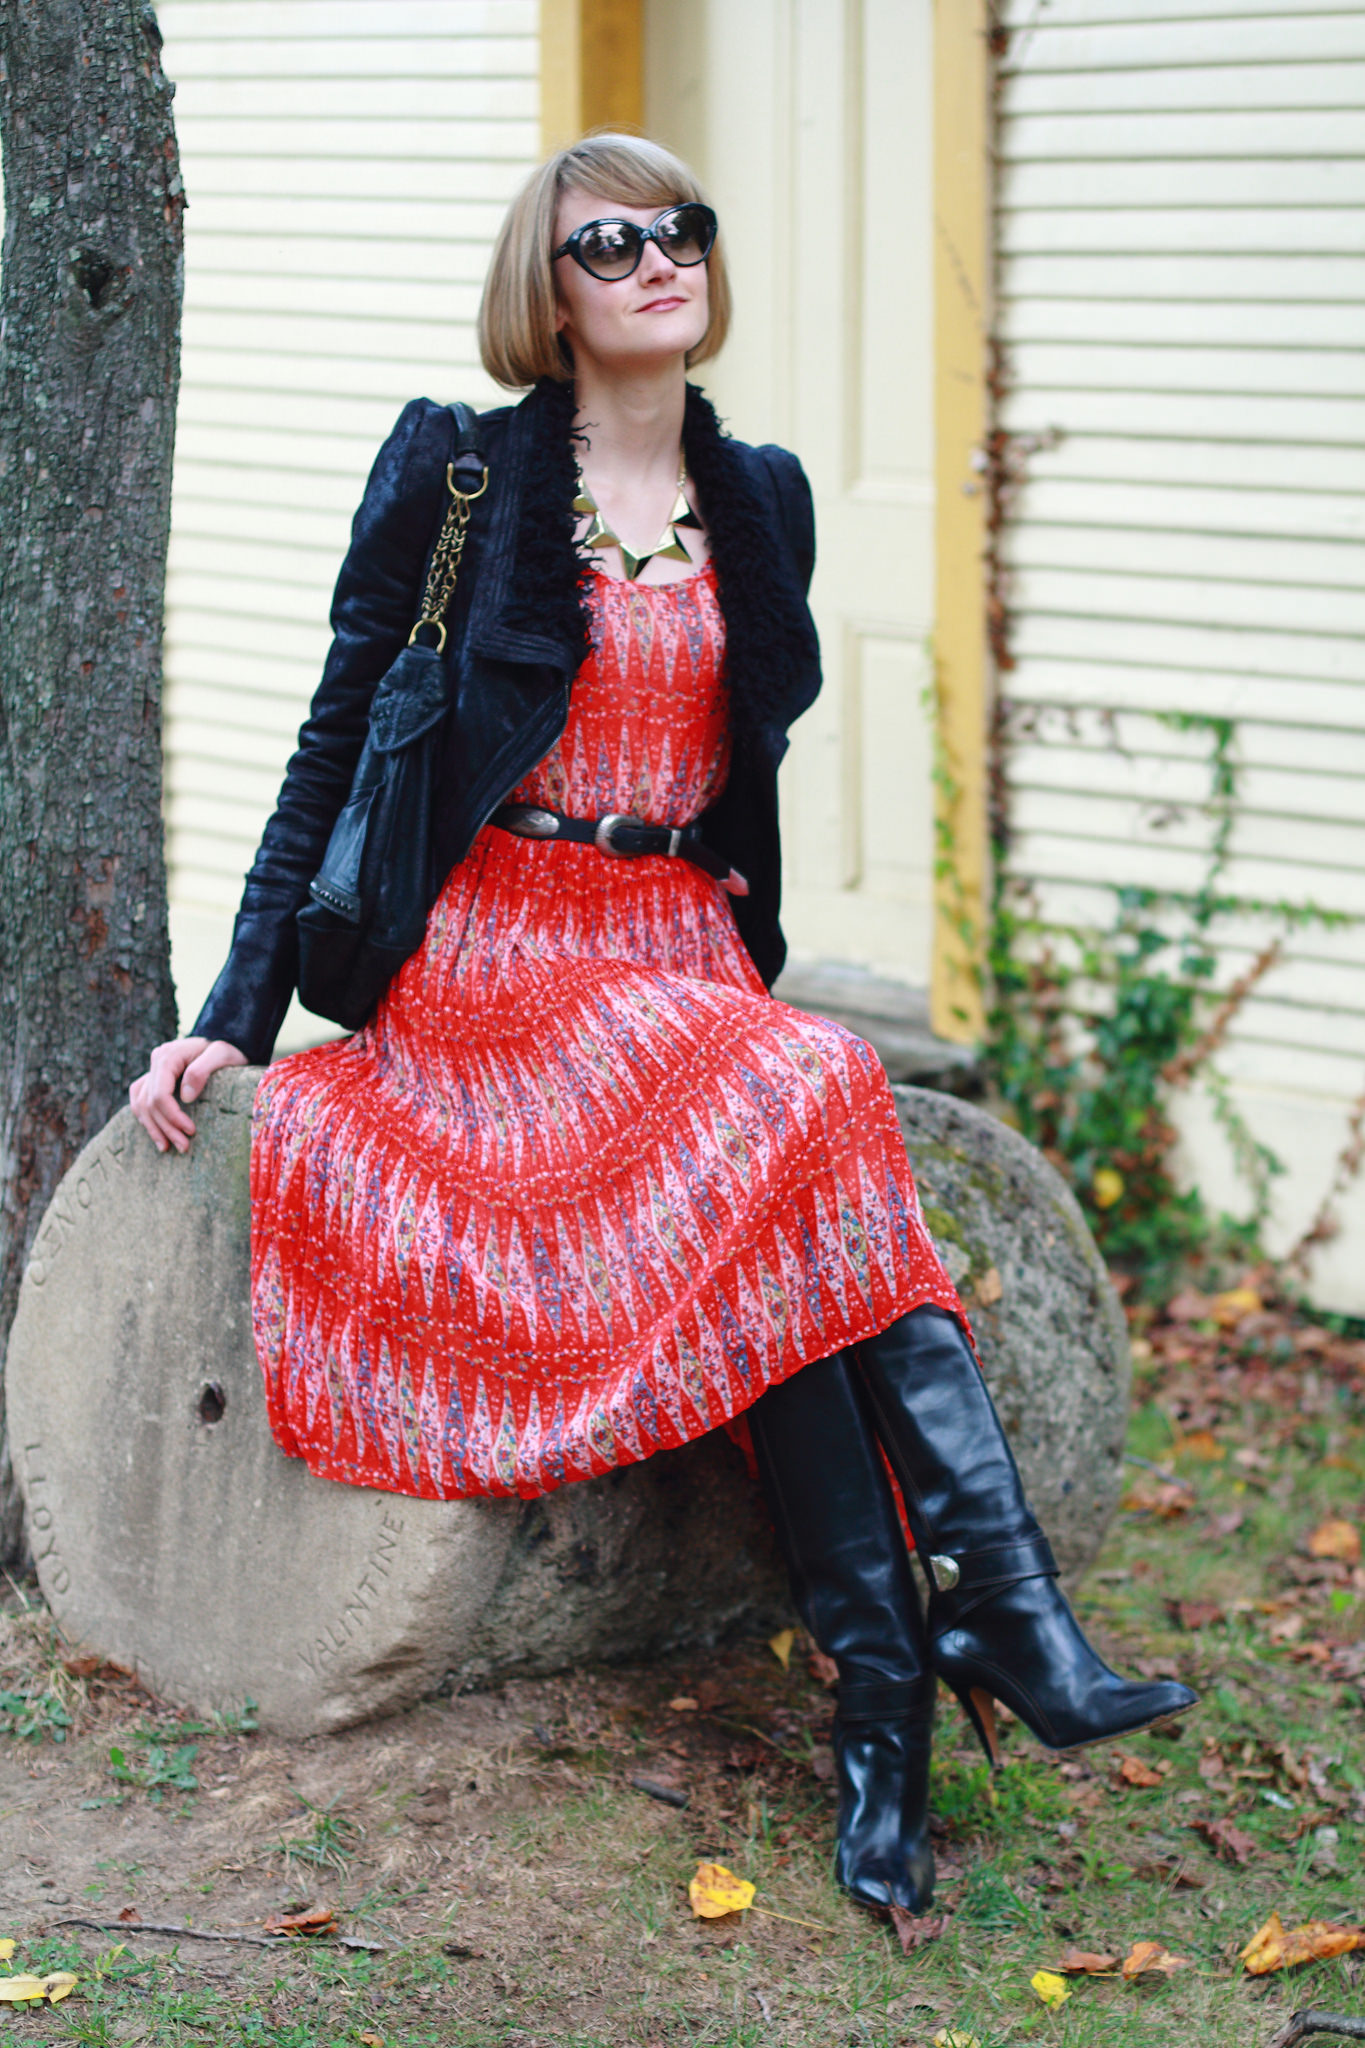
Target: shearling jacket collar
pixel 530 603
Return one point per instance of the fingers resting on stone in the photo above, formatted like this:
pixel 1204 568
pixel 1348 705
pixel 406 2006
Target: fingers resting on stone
pixel 187 1062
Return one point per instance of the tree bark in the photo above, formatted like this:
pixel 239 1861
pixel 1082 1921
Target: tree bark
pixel 90 290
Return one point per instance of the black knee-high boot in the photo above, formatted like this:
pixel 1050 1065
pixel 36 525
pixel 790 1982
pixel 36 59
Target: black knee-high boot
pixel 850 1572
pixel 999 1626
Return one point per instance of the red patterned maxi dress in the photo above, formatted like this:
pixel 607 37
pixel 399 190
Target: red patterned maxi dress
pixel 582 1189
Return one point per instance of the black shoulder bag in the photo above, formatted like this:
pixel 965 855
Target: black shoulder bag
pixel 371 896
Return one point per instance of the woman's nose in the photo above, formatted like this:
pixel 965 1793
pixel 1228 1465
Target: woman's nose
pixel 655 267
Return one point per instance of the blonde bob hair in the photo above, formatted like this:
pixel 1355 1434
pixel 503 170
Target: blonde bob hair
pixel 517 337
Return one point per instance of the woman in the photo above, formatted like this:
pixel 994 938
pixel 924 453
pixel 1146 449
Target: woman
pixel 581 1188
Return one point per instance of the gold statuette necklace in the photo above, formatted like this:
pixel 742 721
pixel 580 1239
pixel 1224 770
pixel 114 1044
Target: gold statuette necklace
pixel 669 545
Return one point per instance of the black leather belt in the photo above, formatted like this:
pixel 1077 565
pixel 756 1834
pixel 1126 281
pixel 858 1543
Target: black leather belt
pixel 623 837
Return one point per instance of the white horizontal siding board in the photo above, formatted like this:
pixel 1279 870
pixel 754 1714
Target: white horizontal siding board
pixel 1233 653
pixel 1284 181
pixel 1193 460
pixel 1293 38
pixel 1235 938
pixel 1306 796
pixel 1334 753
pixel 259 22
pixel 202 484
pixel 282 62
pixel 1173 230
pixel 1269 132
pixel 365 178
pixel 416 140
pixel 360 102
pixel 1043 851
pixel 1120 685
pixel 1027 20
pixel 283 523
pixel 1284 274
pixel 286 375
pixel 221 689
pixel 318 314
pixel 1248 371
pixel 336 259
pixel 433 229
pixel 1059 501
pixel 1198 555
pixel 1300 325
pixel 1206 415
pixel 1202 601
pixel 1184 88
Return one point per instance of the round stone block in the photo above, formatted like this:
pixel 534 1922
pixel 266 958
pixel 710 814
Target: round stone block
pixel 1051 1334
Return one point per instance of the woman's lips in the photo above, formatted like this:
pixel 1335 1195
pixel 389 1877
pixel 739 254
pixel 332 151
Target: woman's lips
pixel 662 305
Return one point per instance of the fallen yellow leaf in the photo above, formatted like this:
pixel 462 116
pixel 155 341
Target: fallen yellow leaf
pixel 1337 1539
pixel 58 1986
pixel 715 1891
pixel 1150 1955
pixel 682 1705
pixel 1277 1947
pixel 7 1948
pixel 16 1990
pixel 1229 1308
pixel 1051 1988
pixel 1107 1187
pixel 990 1287
pixel 373 2040
pixel 781 1646
pixel 954 2037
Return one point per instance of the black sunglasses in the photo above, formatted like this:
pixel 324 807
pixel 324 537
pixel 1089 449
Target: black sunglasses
pixel 612 249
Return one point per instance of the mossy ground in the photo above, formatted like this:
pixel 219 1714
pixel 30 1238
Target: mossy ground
pixel 525 1892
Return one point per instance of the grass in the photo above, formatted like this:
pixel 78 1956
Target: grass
pixel 526 1895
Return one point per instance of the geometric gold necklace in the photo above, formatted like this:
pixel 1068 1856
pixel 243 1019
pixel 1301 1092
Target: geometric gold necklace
pixel 669 545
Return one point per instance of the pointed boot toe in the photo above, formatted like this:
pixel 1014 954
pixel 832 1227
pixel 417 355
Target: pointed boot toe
pixel 1023 1645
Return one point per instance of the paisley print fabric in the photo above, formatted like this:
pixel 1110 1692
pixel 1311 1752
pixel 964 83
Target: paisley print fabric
pixel 582 1189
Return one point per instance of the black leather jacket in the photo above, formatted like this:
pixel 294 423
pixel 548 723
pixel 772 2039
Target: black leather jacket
pixel 519 633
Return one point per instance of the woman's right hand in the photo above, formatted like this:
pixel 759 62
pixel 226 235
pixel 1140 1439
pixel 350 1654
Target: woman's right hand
pixel 188 1061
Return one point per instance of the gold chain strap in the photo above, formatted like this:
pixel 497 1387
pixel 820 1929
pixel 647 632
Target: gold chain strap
pixel 445 560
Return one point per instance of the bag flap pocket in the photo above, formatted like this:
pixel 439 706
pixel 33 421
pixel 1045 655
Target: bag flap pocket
pixel 409 700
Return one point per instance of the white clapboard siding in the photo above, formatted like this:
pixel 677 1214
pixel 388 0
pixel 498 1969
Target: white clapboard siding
pixel 1181 239
pixel 347 163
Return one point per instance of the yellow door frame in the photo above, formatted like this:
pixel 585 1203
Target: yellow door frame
pixel 963 681
pixel 592 68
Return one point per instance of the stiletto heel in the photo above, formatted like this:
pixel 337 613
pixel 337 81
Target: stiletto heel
pixel 981 1713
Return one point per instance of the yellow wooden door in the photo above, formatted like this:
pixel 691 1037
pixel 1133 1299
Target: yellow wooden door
pixel 810 120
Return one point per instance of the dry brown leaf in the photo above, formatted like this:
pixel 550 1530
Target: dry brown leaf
pixel 1189 1307
pixel 822 1669
pixel 1170 1870
pixel 990 1287
pixel 1196 1614
pixel 683 1705
pixel 313 1920
pixel 1158 1497
pixel 1085 1962
pixel 1144 1956
pixel 1277 1947
pixel 1133 1771
pixel 1233 1844
pixel 1337 1539
pixel 372 2040
pixel 916 1930
pixel 1203 1445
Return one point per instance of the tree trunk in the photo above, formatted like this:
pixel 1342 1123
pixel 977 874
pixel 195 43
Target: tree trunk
pixel 90 292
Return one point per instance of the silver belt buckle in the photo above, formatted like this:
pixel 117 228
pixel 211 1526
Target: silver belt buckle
pixel 602 838
pixel 531 823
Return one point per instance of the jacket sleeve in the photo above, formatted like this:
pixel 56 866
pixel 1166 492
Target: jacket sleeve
pixel 796 508
pixel 373 608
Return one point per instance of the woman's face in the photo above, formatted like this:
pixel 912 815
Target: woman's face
pixel 659 311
